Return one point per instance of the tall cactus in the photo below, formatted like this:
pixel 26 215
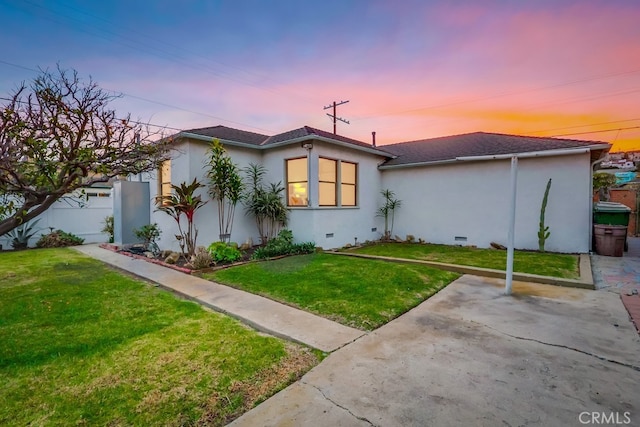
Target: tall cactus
pixel 543 231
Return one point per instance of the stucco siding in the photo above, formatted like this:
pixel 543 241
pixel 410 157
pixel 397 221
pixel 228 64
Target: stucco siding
pixel 331 227
pixel 471 200
pixel 189 162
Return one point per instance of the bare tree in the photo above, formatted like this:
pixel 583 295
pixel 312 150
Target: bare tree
pixel 57 134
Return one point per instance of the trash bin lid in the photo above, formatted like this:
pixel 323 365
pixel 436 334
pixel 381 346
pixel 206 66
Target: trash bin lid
pixel 610 207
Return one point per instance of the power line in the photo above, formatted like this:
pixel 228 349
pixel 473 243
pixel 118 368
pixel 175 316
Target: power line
pixel 589 124
pixel 595 131
pixel 501 95
pixel 154 50
pixel 118 93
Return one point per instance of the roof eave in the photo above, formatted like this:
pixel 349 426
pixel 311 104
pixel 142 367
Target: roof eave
pixel 222 140
pixel 314 137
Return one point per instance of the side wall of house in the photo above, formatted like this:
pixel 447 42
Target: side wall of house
pixel 189 162
pixel 330 227
pixel 469 203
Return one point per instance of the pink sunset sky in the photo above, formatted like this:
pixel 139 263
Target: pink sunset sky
pixel 410 69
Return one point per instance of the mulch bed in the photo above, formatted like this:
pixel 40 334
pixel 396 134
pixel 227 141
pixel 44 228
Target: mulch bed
pixel 180 265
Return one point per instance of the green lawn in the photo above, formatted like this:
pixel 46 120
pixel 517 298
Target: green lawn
pixel 360 293
pixel 81 344
pixel 544 264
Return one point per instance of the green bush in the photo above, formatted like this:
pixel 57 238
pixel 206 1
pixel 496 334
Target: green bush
pixel 148 234
pixel 283 245
pixel 108 227
pixel 201 259
pixel 222 252
pixel 57 239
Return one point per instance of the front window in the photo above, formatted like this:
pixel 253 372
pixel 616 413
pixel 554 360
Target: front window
pixel 297 184
pixel 348 183
pixel 327 179
pixel 164 179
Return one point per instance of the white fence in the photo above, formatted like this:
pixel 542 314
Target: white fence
pixel 81 215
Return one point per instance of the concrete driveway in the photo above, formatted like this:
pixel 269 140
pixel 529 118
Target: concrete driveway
pixel 546 356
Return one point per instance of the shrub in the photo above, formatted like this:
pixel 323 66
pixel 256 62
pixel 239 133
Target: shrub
pixel 222 252
pixel 148 234
pixel 201 259
pixel 108 227
pixel 20 235
pixel 283 245
pixel 59 238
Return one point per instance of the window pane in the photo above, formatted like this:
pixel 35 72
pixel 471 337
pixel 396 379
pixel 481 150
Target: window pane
pixel 297 170
pixel 298 194
pixel 348 172
pixel 327 170
pixel 348 195
pixel 164 178
pixel 327 194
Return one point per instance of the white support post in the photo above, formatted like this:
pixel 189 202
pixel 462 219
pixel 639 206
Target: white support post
pixel 512 224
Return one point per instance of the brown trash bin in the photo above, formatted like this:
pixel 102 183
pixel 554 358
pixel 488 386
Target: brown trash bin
pixel 610 239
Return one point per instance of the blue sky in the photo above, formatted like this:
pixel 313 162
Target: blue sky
pixel 410 69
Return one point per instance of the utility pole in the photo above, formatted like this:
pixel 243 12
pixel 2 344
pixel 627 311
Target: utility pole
pixel 334 116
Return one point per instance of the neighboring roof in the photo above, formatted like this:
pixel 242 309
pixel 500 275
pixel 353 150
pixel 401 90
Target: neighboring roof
pixel 230 135
pixel 449 148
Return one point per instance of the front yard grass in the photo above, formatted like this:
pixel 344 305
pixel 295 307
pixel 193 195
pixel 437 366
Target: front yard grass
pixel 360 293
pixel 81 344
pixel 544 264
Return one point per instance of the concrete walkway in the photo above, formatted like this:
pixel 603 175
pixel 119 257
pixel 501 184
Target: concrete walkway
pixel 262 313
pixel 621 275
pixel 471 356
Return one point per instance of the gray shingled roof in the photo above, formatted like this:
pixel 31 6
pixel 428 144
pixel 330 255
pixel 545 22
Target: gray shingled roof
pixel 474 144
pixel 411 152
pixel 230 134
pixel 236 135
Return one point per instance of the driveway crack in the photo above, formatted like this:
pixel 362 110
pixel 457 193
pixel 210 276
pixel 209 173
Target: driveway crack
pixel 340 406
pixel 605 359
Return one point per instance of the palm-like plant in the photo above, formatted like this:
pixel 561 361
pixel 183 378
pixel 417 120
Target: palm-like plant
pixel 388 211
pixel 183 201
pixel 225 187
pixel 266 204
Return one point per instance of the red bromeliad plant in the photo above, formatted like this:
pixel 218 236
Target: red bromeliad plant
pixel 182 201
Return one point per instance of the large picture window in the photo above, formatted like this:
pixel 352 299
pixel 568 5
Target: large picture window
pixel 337 182
pixel 297 182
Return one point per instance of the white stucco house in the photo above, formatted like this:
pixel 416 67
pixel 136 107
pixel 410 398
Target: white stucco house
pixel 454 189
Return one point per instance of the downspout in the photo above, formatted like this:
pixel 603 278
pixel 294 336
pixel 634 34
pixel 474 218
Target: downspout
pixel 593 165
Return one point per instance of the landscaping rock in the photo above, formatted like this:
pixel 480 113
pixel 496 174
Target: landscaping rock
pixel 165 253
pixel 398 239
pixel 410 238
pixel 497 246
pixel 172 258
